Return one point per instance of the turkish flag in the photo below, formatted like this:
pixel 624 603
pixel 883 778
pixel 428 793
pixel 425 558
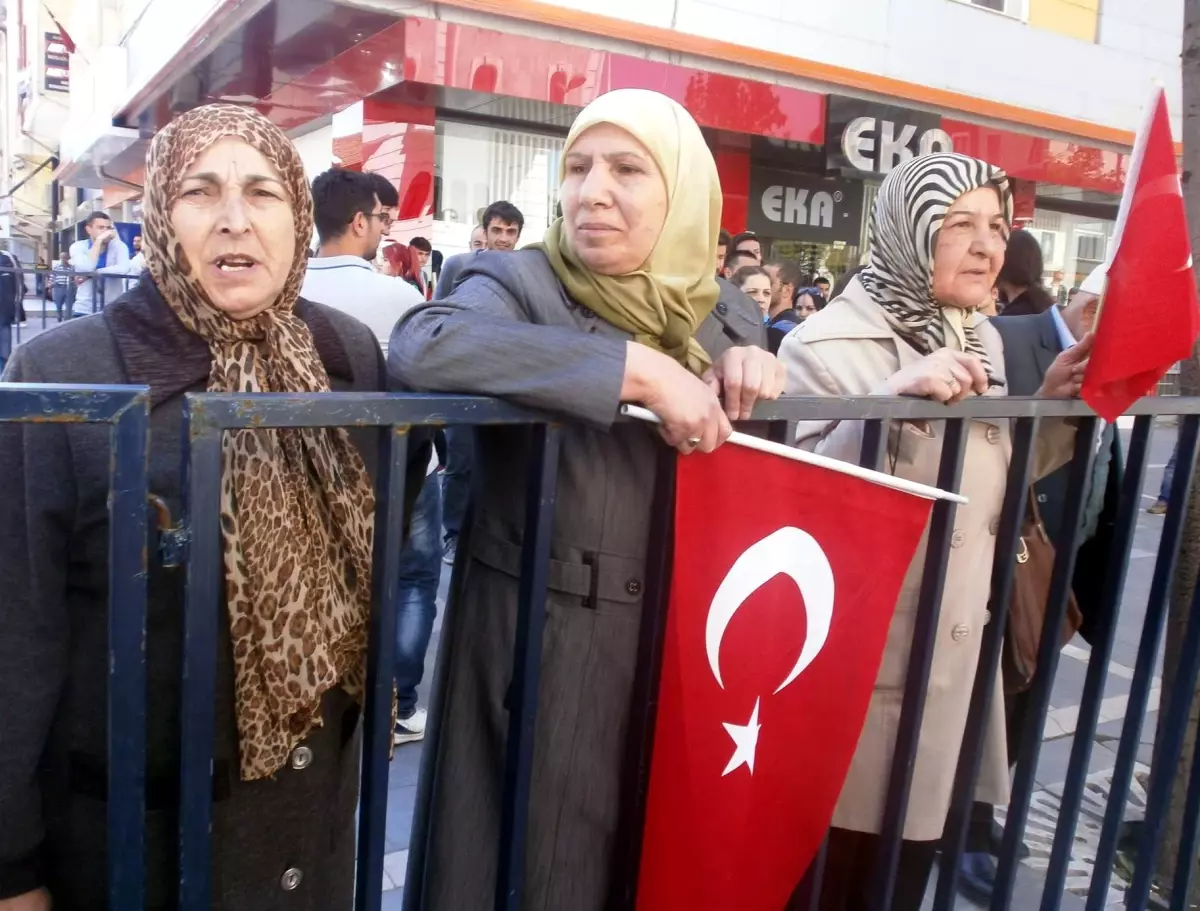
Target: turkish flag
pixel 1149 317
pixel 779 612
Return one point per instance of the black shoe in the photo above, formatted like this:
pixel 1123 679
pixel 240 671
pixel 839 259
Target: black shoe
pixel 977 877
pixel 997 842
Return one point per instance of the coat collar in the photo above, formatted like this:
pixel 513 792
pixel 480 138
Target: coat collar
pixel 158 351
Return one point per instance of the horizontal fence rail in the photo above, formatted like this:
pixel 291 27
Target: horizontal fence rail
pixel 53 302
pixel 127 411
pixel 208 416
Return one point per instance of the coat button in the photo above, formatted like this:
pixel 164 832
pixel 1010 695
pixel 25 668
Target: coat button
pixel 994 526
pixel 290 880
pixel 586 313
pixel 634 587
pixel 1041 498
pixel 722 308
pixel 993 434
pixel 960 632
pixel 301 758
pixel 957 539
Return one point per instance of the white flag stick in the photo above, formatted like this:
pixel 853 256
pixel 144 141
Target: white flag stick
pixel 803 455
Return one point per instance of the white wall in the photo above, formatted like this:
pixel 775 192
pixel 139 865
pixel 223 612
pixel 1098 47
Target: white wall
pixel 951 45
pixel 316 150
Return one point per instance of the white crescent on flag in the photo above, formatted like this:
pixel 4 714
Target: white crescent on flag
pixel 793 553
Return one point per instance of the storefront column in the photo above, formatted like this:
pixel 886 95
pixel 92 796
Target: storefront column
pixel 733 167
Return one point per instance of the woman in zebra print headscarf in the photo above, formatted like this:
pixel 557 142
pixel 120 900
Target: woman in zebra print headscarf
pixel 910 324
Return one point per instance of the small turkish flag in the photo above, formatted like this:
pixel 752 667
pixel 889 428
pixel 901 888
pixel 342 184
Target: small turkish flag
pixel 1149 317
pixel 779 613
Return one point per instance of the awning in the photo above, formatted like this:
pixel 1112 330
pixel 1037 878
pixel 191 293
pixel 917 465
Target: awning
pixel 113 159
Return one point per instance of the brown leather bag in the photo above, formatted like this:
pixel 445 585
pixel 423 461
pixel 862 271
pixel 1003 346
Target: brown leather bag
pixel 1027 612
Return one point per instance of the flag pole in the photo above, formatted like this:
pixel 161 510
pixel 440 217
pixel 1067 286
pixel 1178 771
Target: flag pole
pixel 811 458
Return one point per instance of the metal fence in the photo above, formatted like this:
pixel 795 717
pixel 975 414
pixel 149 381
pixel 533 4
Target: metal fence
pixel 50 309
pixel 207 417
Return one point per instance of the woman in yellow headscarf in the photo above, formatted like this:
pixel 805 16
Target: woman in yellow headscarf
pixel 606 311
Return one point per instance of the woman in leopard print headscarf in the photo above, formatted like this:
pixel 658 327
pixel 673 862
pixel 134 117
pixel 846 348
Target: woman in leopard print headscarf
pixel 228 216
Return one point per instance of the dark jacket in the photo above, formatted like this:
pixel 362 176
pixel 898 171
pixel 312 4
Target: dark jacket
pixel 736 321
pixel 778 327
pixel 1031 343
pixel 510 330
pixel 53 560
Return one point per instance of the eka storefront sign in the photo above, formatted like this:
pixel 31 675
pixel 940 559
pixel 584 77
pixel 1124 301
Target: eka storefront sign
pixel 57 64
pixel 789 206
pixel 870 138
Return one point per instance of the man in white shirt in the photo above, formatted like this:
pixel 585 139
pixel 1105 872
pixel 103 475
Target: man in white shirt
pixel 137 265
pixel 102 252
pixel 350 223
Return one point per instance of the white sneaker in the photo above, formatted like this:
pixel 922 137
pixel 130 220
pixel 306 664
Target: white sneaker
pixel 410 729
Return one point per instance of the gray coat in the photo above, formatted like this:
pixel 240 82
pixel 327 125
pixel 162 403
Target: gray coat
pixel 53 560
pixel 510 330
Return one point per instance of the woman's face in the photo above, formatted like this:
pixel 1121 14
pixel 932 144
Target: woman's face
pixel 806 306
pixel 234 220
pixel 614 200
pixel 758 288
pixel 969 250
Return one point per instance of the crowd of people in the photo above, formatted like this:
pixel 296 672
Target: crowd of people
pixel 621 301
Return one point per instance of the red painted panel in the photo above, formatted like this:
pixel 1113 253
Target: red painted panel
pixel 399 142
pixel 465 57
pixel 1043 160
pixel 733 166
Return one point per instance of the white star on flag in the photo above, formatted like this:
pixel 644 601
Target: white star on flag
pixel 745 740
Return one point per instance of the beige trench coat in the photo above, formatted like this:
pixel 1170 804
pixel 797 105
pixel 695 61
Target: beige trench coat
pixel 849 349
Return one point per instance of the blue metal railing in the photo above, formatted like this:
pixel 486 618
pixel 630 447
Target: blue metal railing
pixel 208 417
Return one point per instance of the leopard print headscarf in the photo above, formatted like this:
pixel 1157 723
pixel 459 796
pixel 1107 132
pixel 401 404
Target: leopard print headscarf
pixel 297 506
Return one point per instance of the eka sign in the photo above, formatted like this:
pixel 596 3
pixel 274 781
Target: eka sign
pixel 874 138
pixel 790 206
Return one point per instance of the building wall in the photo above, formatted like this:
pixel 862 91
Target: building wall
pixel 1075 58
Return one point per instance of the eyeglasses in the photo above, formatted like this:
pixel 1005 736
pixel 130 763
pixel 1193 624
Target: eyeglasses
pixel 385 219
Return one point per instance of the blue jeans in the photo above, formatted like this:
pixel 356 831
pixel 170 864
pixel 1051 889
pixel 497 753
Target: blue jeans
pixel 62 299
pixel 420 572
pixel 1164 492
pixel 456 490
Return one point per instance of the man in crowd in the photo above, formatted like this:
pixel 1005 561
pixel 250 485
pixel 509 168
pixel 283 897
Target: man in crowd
pixel 424 251
pixel 452 267
pixel 821 283
pixel 722 251
pixel 102 252
pixel 786 277
pixel 137 265
pixel 63 284
pixel 351 220
pixel 747 242
pixel 736 259
pixel 388 195
pixel 501 225
pixel 1031 343
pixel 12 293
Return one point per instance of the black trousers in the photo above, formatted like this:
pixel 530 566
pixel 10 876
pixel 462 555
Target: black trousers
pixel 848 876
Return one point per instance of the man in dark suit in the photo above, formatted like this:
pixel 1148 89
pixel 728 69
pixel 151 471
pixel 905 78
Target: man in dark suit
pixel 1031 343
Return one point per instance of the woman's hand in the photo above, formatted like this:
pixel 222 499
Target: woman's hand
pixel 945 376
pixel 1064 379
pixel 746 375
pixel 37 900
pixel 691 415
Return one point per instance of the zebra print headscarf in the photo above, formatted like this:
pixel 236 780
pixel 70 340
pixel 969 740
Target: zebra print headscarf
pixel 909 211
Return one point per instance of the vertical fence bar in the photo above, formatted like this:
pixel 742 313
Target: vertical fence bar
pixel 644 700
pixel 1143 673
pixel 128 540
pixel 1047 663
pixel 201 614
pixel 874 444
pixel 1097 669
pixel 381 659
pixel 1185 859
pixel 1168 754
pixel 527 659
pixel 970 757
pixel 933 581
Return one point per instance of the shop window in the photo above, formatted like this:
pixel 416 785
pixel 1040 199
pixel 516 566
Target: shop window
pixel 1018 9
pixel 1090 247
pixel 478 165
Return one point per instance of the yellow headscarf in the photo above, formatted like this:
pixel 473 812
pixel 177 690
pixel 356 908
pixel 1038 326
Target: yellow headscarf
pixel 664 301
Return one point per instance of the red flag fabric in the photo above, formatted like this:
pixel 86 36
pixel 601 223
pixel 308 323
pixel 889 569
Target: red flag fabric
pixel 1149 317
pixel 779 613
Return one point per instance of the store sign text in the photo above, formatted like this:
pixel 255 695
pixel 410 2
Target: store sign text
pixel 876 145
pixel 792 206
pixel 789 205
